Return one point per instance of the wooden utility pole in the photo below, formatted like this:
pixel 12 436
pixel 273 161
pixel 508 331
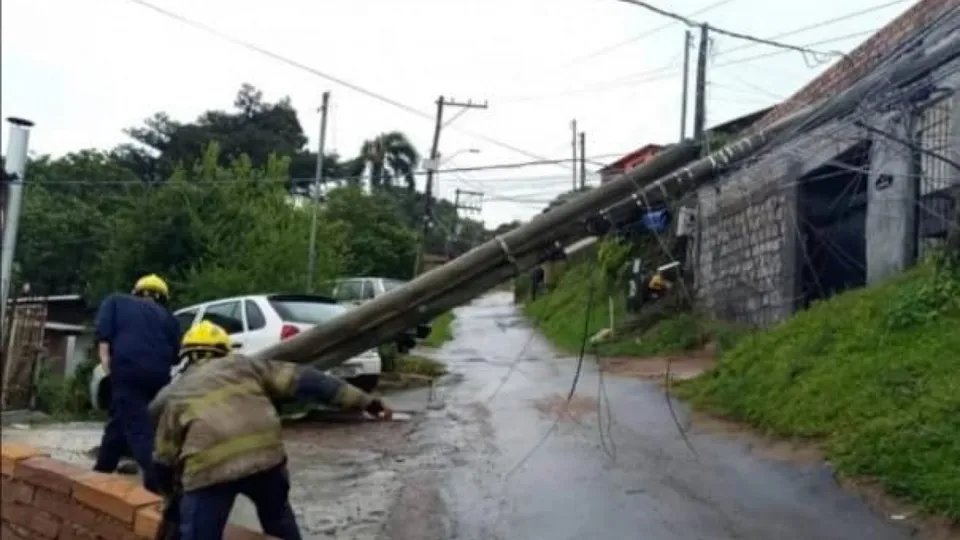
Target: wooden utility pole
pixel 315 193
pixel 687 44
pixel 583 160
pixel 573 144
pixel 700 102
pixel 433 166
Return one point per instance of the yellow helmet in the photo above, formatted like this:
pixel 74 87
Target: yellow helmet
pixel 152 284
pixel 205 336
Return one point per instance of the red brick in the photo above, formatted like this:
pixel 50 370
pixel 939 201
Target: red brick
pixel 9 533
pixel 71 511
pixel 74 532
pixel 12 453
pixel 113 496
pixel 147 520
pixel 39 523
pixel 16 491
pixel 49 473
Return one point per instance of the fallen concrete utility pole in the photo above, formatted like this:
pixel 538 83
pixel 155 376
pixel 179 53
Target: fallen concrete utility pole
pixel 668 176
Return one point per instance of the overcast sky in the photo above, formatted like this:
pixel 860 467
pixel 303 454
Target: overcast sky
pixel 84 70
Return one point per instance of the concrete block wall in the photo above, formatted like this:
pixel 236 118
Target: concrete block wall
pixel 43 498
pixel 746 264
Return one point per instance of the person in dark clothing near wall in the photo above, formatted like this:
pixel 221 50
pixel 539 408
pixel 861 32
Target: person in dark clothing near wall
pixel 139 341
pixel 536 281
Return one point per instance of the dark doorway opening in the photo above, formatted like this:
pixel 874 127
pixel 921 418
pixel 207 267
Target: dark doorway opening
pixel 832 217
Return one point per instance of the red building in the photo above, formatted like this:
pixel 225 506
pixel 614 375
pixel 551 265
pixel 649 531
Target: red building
pixel 629 162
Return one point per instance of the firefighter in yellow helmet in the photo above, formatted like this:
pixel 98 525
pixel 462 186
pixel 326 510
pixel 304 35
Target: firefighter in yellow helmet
pixel 218 433
pixel 138 339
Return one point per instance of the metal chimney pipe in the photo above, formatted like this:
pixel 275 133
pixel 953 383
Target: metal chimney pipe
pixel 14 167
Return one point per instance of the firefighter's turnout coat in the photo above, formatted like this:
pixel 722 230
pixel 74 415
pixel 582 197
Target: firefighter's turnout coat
pixel 217 423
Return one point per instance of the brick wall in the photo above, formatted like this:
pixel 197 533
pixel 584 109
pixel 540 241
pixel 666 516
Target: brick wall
pixel 844 73
pixel 43 498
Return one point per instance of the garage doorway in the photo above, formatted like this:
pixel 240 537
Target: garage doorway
pixel 832 215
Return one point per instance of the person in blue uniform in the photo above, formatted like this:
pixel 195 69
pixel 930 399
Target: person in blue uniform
pixel 138 343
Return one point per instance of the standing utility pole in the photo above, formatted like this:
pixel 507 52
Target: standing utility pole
pixel 700 110
pixel 16 164
pixel 469 201
pixel 431 169
pixel 687 43
pixel 583 160
pixel 573 129
pixel 315 192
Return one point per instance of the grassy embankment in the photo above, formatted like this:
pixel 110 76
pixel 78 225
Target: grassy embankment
pixel 561 314
pixel 872 375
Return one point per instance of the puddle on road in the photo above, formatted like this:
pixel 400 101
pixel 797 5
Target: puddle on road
pixel 69 442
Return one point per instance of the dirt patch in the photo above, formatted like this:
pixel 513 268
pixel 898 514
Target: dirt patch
pixel 681 367
pixel 794 451
pixel 804 451
pixel 557 406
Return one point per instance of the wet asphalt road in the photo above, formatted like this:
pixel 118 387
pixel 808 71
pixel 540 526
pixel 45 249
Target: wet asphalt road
pixel 646 485
pixel 453 473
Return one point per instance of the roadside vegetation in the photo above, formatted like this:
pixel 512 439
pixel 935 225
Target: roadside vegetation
pixel 561 313
pixel 66 398
pixel 441 330
pixel 219 206
pixel 873 374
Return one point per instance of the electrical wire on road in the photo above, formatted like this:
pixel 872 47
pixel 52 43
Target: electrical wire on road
pixel 576 376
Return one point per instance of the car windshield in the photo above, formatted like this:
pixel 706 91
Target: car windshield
pixel 391 284
pixel 306 310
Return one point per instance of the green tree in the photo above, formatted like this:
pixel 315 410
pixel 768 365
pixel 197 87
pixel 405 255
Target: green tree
pixel 255 128
pixel 378 241
pixel 217 231
pixel 390 157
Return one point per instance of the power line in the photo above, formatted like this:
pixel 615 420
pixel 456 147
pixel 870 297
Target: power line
pixel 645 34
pixel 490 167
pixel 301 66
pixel 820 24
pixel 669 72
pixel 730 33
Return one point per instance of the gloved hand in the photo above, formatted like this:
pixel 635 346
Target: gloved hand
pixel 379 410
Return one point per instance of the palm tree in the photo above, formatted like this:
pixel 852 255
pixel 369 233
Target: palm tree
pixel 391 156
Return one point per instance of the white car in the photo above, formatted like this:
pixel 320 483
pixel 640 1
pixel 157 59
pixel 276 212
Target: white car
pixel 259 321
pixel 354 291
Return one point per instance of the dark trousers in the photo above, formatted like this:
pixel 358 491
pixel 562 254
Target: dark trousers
pixel 129 428
pixel 204 512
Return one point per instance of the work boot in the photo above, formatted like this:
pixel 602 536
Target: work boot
pixel 128 467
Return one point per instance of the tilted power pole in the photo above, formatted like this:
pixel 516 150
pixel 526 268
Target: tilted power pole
pixel 431 169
